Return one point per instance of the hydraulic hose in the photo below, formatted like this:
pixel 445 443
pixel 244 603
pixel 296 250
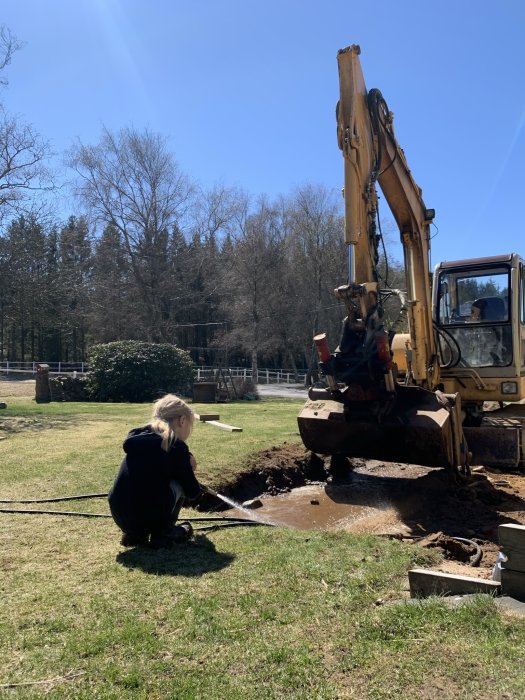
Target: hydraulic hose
pixel 453 347
pixel 479 552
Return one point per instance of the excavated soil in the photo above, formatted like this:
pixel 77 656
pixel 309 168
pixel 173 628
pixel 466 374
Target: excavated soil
pixel 401 501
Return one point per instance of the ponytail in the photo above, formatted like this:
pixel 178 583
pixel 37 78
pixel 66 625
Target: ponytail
pixel 165 410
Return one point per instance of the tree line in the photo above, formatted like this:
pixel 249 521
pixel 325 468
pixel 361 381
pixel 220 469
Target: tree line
pixel 230 282
pixel 150 255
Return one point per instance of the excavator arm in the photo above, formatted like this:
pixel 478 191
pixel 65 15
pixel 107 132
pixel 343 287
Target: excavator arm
pixel 365 411
pixel 373 155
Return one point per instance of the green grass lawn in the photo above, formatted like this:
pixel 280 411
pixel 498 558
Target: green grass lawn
pixel 237 613
pixel 63 448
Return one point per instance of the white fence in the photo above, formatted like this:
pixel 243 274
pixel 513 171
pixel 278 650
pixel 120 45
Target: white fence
pixel 7 368
pixel 264 376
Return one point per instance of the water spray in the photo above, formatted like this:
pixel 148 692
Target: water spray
pixel 234 504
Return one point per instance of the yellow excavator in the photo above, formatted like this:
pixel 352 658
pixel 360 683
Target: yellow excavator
pixel 447 393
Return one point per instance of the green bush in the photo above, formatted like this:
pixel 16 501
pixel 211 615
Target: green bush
pixel 132 370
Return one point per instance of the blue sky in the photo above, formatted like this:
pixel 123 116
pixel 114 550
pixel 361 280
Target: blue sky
pixel 245 91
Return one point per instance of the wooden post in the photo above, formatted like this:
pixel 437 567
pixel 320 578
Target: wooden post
pixel 42 388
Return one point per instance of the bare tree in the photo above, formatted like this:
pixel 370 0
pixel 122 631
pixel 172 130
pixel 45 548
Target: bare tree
pixel 22 151
pixel 9 44
pixel 315 243
pixel 22 165
pixel 215 218
pixel 250 283
pixel 218 211
pixel 130 181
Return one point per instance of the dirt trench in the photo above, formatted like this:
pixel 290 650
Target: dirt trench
pixel 408 502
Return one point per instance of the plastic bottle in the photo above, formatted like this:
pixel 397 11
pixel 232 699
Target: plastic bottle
pixel 498 566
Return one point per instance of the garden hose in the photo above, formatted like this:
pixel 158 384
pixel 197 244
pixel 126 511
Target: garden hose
pixel 61 498
pixel 222 520
pixel 225 520
pixel 214 522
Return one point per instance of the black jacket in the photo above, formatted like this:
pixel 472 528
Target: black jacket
pixel 141 499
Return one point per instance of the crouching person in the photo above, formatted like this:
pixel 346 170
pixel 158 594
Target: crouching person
pixel 156 477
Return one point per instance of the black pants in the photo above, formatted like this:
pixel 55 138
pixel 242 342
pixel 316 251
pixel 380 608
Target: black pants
pixel 161 524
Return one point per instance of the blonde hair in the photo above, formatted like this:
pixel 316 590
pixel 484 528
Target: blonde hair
pixel 164 411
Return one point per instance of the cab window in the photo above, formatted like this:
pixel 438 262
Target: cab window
pixel 473 312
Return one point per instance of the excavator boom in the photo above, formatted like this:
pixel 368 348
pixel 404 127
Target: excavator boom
pixel 372 154
pixel 366 411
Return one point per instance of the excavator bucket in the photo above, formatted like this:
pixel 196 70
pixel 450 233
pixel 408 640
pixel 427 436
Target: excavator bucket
pixel 420 429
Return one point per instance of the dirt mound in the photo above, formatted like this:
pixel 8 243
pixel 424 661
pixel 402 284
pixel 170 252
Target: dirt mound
pixel 462 550
pixel 274 471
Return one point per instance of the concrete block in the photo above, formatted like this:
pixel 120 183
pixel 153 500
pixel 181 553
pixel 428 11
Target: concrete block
pixel 512 544
pixel 424 582
pixel 513 584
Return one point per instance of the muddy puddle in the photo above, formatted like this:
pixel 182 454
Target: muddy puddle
pixel 357 504
pixel 312 507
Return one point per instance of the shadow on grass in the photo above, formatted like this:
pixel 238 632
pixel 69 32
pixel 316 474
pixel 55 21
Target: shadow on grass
pixel 192 558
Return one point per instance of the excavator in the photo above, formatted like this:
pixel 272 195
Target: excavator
pixel 448 393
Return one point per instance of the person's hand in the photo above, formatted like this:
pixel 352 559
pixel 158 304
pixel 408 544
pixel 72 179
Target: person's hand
pixel 193 463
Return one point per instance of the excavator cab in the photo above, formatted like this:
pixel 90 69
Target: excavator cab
pixel 479 312
pixel 473 315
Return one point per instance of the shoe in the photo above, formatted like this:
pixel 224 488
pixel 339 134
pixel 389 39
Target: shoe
pixel 131 540
pixel 188 528
pixel 175 534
